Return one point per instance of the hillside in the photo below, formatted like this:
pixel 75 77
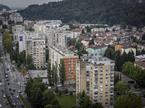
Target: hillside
pixel 90 11
pixel 4 7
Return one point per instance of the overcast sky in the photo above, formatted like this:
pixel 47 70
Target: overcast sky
pixel 22 3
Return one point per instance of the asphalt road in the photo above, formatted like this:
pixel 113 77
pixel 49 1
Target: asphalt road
pixel 12 82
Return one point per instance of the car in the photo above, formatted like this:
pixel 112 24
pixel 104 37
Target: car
pixel 0 83
pixel 7 69
pixel 0 106
pixel 6 76
pixel 19 91
pixel 4 96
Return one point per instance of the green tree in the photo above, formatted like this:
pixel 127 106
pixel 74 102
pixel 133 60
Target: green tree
pixel 7 42
pixel 54 75
pixel 47 55
pixel 118 61
pixel 39 96
pixel 88 29
pixel 80 48
pixel 21 59
pixel 110 52
pixel 134 72
pixel 83 101
pixel 121 88
pixel 29 62
pixel 50 80
pixel 128 101
pixel 130 56
pixel 49 100
pixel 97 105
pixel 34 90
pixel 62 72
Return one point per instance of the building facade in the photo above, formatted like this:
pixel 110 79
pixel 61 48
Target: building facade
pixel 95 76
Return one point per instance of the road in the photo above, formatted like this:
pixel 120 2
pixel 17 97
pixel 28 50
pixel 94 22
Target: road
pixel 13 83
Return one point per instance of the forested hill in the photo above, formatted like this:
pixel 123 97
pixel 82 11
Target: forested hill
pixel 4 7
pixel 90 11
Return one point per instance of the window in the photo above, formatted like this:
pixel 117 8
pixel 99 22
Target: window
pixel 21 38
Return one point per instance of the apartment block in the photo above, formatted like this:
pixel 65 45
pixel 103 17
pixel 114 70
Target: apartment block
pixel 70 61
pixel 39 53
pixel 95 76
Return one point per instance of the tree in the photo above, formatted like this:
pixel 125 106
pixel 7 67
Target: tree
pixel 97 105
pixel 29 62
pixel 49 73
pixel 34 90
pixel 7 42
pixel 118 61
pixel 21 58
pixel 110 52
pixel 54 75
pixel 130 56
pixel 80 48
pixel 121 88
pixel 39 96
pixel 128 101
pixel 47 55
pixel 83 101
pixel 88 29
pixel 49 100
pixel 135 73
pixel 62 72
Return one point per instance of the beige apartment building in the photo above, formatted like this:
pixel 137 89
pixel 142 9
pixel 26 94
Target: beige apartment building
pixel 95 76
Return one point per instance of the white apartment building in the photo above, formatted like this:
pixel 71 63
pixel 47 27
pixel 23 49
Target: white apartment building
pixel 33 43
pixel 16 17
pixel 95 76
pixel 42 26
pixel 36 46
pixel 58 38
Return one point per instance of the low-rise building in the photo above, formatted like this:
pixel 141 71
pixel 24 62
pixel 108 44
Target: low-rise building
pixel 97 50
pixel 42 74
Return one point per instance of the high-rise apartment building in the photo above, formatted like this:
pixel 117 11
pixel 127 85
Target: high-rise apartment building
pixel 38 53
pixel 95 76
pixel 70 61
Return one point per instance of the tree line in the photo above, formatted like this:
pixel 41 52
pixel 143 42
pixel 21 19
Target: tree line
pixel 125 12
pixel 39 95
pixel 21 59
pixel 53 76
pixel 134 72
pixel 120 58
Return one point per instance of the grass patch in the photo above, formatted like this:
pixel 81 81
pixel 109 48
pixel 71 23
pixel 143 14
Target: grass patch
pixel 66 101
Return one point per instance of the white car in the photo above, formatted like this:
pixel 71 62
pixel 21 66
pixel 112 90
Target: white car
pixel 0 106
pixel 4 95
